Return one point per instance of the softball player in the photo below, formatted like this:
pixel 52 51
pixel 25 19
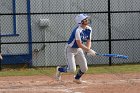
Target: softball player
pixel 74 50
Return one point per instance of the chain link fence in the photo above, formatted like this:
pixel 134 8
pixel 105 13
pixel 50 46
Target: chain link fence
pixel 35 31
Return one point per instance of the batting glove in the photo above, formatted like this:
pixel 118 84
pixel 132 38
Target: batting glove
pixel 91 52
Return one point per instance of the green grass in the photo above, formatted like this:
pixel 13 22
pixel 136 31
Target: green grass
pixel 28 71
pixel 127 68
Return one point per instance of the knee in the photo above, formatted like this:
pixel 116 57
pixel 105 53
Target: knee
pixel 84 69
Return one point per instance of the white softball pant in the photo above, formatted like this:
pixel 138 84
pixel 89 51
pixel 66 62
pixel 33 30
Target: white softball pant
pixel 75 56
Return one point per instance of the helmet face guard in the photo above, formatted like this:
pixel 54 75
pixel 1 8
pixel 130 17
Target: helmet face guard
pixel 80 17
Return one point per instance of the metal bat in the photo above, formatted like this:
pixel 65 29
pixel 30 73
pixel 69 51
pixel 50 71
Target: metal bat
pixel 113 55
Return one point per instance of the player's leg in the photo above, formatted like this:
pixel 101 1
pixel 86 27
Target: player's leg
pixel 82 62
pixel 70 59
pixel 71 65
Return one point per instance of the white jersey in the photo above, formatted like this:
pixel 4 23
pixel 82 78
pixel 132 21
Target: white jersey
pixel 79 34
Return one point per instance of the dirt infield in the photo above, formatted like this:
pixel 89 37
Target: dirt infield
pixel 101 83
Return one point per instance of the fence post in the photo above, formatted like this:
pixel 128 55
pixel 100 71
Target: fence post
pixel 0 47
pixel 109 32
pixel 29 30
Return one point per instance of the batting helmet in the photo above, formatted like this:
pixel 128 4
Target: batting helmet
pixel 80 17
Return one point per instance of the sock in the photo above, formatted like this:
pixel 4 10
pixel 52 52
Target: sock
pixel 79 74
pixel 62 69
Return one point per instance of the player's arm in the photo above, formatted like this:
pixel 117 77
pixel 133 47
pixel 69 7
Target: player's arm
pixel 85 48
pixel 79 42
pixel 80 45
pixel 88 44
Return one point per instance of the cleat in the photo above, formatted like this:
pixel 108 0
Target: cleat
pixel 78 81
pixel 58 74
